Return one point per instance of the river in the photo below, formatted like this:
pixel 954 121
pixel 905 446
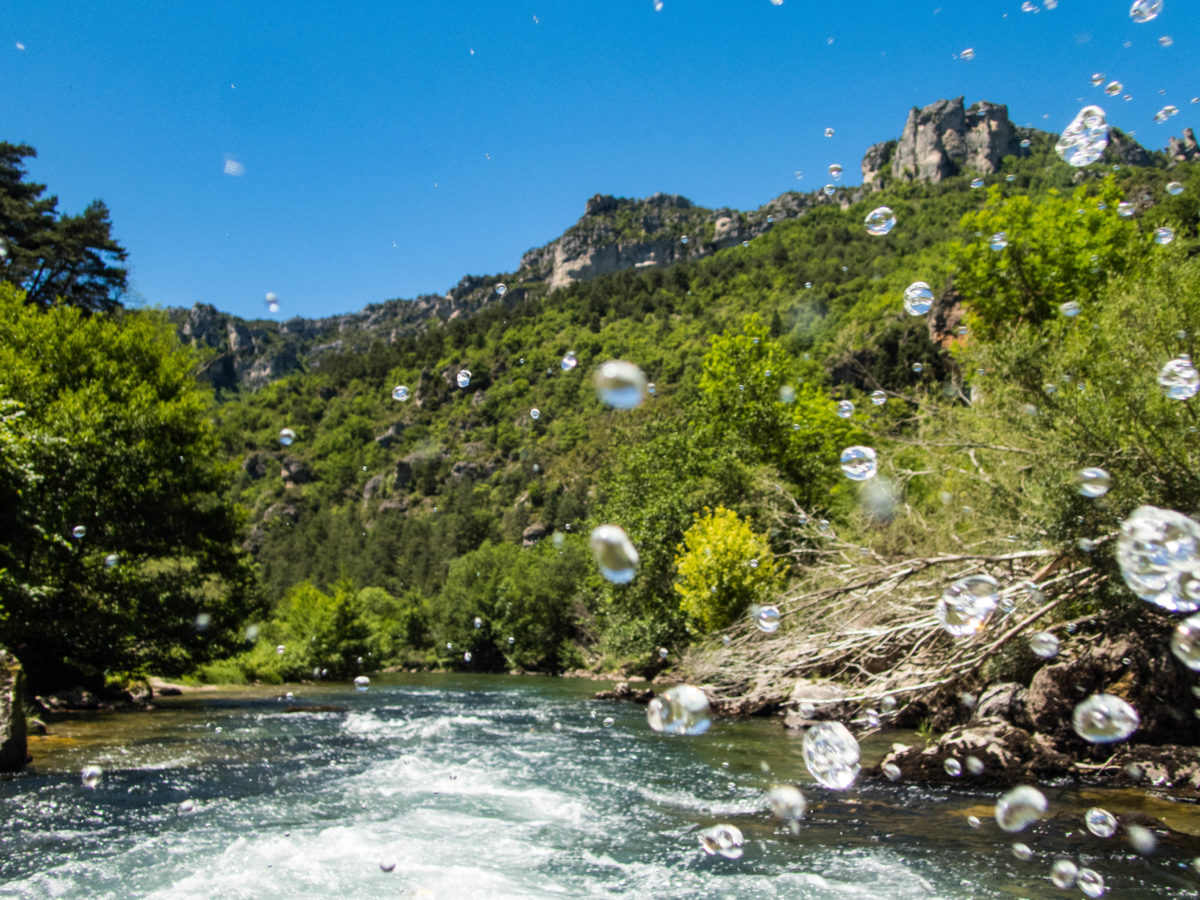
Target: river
pixel 489 786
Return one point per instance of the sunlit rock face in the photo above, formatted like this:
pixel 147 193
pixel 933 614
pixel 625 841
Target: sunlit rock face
pixel 943 139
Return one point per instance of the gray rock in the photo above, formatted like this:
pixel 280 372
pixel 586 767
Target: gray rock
pixel 373 487
pixel 533 533
pixel 255 465
pixel 942 140
pixel 1184 150
pixel 1003 701
pixel 826 699
pixel 14 751
pixel 294 471
pixel 1006 753
pixel 876 162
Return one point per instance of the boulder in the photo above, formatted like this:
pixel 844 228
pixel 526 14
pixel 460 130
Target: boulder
pixel 533 533
pixel 1004 701
pixel 294 471
pixel 255 465
pixel 622 691
pixel 14 753
pixel 1184 150
pixel 814 701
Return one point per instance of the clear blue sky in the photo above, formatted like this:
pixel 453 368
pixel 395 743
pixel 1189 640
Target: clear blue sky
pixel 383 158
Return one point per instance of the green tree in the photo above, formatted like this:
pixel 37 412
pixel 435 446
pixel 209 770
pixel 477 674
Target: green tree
pixel 724 567
pixel 114 441
pixel 52 255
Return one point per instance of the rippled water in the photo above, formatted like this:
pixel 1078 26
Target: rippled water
pixel 466 784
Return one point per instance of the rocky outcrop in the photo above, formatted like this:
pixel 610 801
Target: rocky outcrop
pixel 943 139
pixel 533 533
pixel 622 691
pixel 14 752
pixel 1124 150
pixel 1184 150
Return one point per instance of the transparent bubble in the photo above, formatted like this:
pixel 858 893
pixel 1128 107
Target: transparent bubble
pixel 891 771
pixel 753 563
pixel 79 532
pixel 1113 88
pixel 1097 79
pixel 1022 852
pixel 511 641
pixel 1125 209
pixel 1093 482
pixel 1090 882
pixel 1179 378
pixel 722 840
pixel 835 171
pixel 1159 554
pixel 1164 235
pixel 845 409
pixel 976 183
pixel 1020 808
pixel 878 398
pixel 463 378
pixel 967 54
pixel 1174 188
pixel 965 605
pixel 478 623
pixel 1185 643
pixel 766 618
pixel 1044 644
pixel 831 754
pixel 787 802
pixel 1145 10
pixel 1084 140
pixel 663 653
pixel 608 722
pixel 998 241
pixel 400 392
pixel 467 656
pixel 1142 839
pixel 918 298
pixel 362 682
pixel 615 554
pixel 917 367
pixel 1104 719
pixel 829 190
pixel 952 766
pixel 1062 873
pixel 620 384
pixel 280 649
pixel 828 132
pixel 973 821
pixel 1100 822
pixel 787 394
pixel 272 302
pixel 858 463
pixel 90 776
pixel 974 765
pixel 680 709
pixel 1167 112
pixel 569 361
pixel 501 289
pixel 535 414
pixel 1070 309
pixel 880 221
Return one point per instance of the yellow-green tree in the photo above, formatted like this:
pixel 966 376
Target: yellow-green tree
pixel 724 566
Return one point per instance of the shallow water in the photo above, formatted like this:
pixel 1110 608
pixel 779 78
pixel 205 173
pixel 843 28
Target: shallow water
pixel 465 783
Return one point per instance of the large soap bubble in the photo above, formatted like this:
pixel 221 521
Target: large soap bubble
pixel 682 709
pixel 831 754
pixel 1084 140
pixel 615 554
pixel 1020 808
pixel 1159 555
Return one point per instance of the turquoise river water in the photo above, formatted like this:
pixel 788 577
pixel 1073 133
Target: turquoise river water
pixel 479 786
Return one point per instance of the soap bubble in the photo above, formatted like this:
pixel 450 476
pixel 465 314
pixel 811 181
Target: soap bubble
pixel 663 652
pixel 1174 188
pixel 976 183
pixel 1164 235
pixel 78 532
pixel 965 605
pixel 858 463
pixel 362 682
pixel 1062 873
pixel 878 398
pixel 280 649
pixel 1165 41
pixel 967 54
pixel 998 241
pixel 400 392
pixel 1093 482
pixel 880 221
pixel 569 361
pixel 835 171
pixel 766 618
pixel 478 623
pixel 620 384
pixel 1142 839
pixel 1185 643
pixel 111 560
pixel 1044 644
pixel 608 722
pixel 1022 852
pixel 463 378
pixel 973 821
pixel 186 807
pixel 723 840
pixel 829 190
pixel 1159 554
pixel 1179 378
pixel 1144 11
pixel 90 776
pixel 1167 112
pixel 467 656
pixel 952 766
pixel 891 771
pixel 535 414
pixel 1113 88
pixel 272 302
pixel 1125 209
pixel 975 765
pixel 918 298
pixel 917 367
pixel 1104 719
pixel 1100 822
pixel 681 709
pixel 1084 140
pixel 1090 882
pixel 828 132
pixel 845 409
pixel 286 436
pixel 501 289
pixel 387 865
pixel 831 754
pixel 615 554
pixel 1020 808
pixel 1070 309
pixel 787 803
pixel 1097 79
